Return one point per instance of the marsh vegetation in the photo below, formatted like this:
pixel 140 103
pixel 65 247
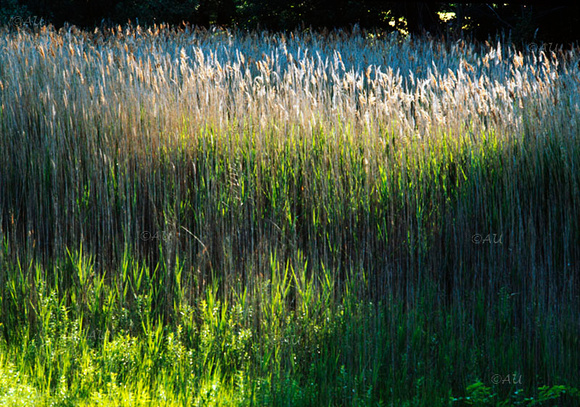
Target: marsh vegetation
pixel 224 218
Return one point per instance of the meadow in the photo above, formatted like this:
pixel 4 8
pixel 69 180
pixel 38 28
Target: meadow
pixel 212 217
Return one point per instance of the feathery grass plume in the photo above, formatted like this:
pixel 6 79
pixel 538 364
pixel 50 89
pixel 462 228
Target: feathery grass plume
pixel 211 216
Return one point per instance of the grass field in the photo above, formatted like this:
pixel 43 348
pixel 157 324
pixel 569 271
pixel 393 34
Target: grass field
pixel 222 218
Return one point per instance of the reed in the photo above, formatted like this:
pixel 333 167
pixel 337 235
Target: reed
pixel 219 217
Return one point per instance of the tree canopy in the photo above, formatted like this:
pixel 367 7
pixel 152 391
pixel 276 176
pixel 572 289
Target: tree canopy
pixel 525 20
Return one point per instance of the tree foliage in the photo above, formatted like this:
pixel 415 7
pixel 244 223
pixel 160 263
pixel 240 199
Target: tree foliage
pixel 524 20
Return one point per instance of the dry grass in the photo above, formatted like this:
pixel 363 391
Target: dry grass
pixel 440 177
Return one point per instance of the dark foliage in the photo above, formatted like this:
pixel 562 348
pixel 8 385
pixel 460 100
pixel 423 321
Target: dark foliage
pixel 523 20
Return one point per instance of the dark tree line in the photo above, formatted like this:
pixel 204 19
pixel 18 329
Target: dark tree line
pixel 525 20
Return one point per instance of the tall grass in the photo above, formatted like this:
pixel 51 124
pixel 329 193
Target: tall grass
pixel 194 217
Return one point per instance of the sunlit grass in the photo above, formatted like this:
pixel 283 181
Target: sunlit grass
pixel 225 218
